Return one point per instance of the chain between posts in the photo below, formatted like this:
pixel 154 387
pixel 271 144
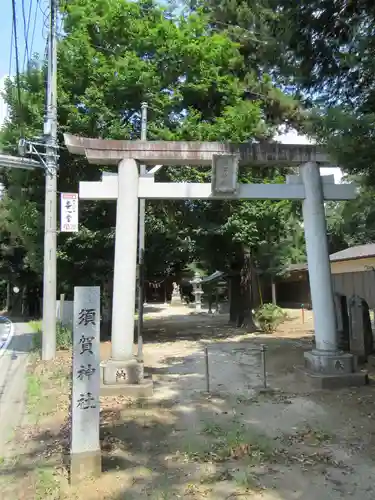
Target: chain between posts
pixel 262 349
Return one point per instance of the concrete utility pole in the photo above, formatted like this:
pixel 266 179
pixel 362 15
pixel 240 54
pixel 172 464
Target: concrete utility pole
pixel 141 241
pixel 50 131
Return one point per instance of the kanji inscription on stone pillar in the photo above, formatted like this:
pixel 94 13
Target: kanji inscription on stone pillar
pixel 85 409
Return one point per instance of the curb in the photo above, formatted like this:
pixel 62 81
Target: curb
pixel 6 338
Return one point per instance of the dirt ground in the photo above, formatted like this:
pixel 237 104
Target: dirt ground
pixel 289 443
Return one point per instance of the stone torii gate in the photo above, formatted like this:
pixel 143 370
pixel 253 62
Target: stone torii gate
pixel 122 373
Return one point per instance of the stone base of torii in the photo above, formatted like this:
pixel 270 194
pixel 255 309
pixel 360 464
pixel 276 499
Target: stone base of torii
pixel 326 366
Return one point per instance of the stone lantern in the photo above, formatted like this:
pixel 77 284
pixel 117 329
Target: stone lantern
pixel 197 291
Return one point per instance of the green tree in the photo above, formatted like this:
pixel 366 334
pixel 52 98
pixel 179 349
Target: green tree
pixel 322 52
pixel 352 222
pixel 196 80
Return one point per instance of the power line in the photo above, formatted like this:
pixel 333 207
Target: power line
pixel 34 26
pixel 45 13
pixel 26 27
pixel 16 50
pixel 11 52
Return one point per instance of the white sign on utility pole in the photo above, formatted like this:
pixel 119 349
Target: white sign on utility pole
pixel 69 213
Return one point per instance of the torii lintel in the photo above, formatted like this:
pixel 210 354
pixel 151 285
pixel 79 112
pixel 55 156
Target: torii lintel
pixel 111 152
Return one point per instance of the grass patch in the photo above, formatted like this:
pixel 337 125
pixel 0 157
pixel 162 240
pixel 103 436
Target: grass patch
pixel 41 483
pixel 162 495
pixel 234 442
pixel 217 477
pixel 34 392
pixel 38 403
pixel 64 336
pixel 245 479
pixel 46 484
pixel 310 436
pixel 213 429
pixel 43 390
pixel 61 378
pixel 321 436
pixel 36 327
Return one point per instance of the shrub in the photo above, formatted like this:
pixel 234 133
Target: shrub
pixel 64 336
pixel 269 317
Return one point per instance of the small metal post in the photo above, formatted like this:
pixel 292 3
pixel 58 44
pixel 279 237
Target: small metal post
pixel 263 354
pixel 303 313
pixel 207 370
pixel 62 300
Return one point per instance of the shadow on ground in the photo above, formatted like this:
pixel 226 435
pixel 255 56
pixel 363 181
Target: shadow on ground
pixel 234 442
pixel 156 450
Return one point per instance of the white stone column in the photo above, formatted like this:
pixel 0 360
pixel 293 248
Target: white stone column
pixel 85 453
pixel 318 259
pixel 124 284
pixel 274 298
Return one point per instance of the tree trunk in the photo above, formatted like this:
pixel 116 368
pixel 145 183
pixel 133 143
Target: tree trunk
pixel 241 303
pixel 234 298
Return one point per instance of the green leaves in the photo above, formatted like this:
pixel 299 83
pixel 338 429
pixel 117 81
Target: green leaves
pixel 352 222
pixel 201 83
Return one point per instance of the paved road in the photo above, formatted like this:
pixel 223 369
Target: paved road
pixel 13 365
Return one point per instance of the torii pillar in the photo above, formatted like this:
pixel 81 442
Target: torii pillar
pixel 326 364
pixel 122 368
pixel 122 373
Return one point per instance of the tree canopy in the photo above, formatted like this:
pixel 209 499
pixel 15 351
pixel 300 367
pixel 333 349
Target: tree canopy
pixel 209 70
pixel 322 53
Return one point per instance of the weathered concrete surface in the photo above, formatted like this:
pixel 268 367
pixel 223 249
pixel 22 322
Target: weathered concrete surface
pixel 111 152
pixel 144 389
pixel 13 366
pixel 85 465
pixel 332 381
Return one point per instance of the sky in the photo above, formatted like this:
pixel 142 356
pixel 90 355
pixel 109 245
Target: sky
pixel 292 137
pixel 36 43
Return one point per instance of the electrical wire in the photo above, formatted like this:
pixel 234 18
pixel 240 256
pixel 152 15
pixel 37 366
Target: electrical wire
pixel 34 26
pixel 45 13
pixel 26 28
pixel 11 52
pixel 29 27
pixel 14 17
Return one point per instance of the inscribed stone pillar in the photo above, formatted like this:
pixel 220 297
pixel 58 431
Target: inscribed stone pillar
pixel 85 451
